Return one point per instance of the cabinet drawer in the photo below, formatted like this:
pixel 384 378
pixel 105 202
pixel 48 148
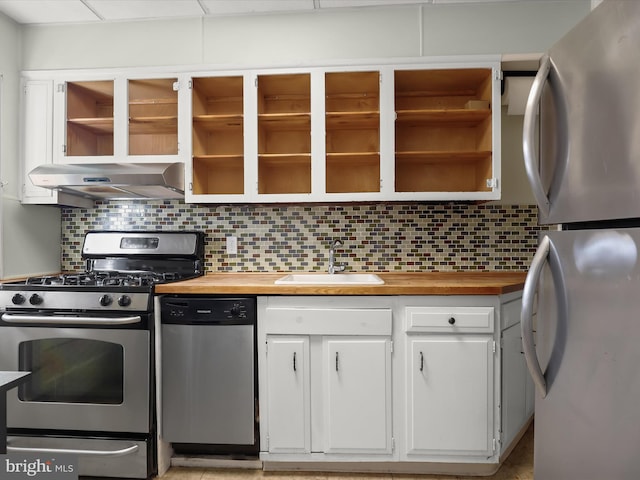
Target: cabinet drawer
pixel 327 321
pixel 449 319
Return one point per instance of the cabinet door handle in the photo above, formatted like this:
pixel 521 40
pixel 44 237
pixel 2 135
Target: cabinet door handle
pixel 452 320
pixel 294 361
pixel 421 361
pixel 337 361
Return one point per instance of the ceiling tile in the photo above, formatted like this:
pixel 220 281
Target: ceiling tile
pixel 46 11
pixel 230 7
pixel 141 9
pixel 366 3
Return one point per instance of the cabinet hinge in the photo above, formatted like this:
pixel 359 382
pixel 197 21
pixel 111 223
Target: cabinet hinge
pixel 266 348
pixel 393 444
pixel 190 85
pixel 391 345
pixel 255 82
pixel 495 445
pixel 61 87
pixel 499 74
pixel 492 183
pixel 176 86
pixel 267 445
pixel 64 149
pixel 494 346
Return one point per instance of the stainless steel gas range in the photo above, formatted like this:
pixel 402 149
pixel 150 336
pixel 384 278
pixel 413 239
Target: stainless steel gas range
pixel 88 338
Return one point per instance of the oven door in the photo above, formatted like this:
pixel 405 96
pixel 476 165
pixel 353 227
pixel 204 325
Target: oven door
pixel 86 379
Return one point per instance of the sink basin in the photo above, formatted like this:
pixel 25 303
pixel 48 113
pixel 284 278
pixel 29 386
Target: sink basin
pixel 328 279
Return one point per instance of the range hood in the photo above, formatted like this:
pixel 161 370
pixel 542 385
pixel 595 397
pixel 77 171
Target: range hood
pixel 113 180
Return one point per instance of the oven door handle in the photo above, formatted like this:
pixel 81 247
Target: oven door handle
pixel 72 451
pixel 12 318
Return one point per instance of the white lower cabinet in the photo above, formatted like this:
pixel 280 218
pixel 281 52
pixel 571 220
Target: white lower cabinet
pixel 450 395
pixel 517 384
pixel 288 401
pixel 408 384
pixel 325 385
pixel 357 396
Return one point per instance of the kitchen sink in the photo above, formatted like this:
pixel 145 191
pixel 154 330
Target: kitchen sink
pixel 330 279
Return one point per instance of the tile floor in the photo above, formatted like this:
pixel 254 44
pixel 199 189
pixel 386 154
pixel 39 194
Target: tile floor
pixel 518 466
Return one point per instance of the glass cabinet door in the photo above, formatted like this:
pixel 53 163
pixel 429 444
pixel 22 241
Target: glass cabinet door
pixel 153 116
pixel 89 120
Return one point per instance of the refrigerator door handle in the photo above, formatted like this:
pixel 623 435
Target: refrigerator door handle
pixel 528 136
pixel 526 318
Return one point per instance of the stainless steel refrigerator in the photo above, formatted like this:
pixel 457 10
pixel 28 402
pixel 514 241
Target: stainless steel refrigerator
pixel 582 294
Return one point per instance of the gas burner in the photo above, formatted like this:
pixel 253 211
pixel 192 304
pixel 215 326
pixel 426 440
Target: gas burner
pixel 65 279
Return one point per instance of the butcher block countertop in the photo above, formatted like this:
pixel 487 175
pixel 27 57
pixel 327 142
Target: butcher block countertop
pixel 432 283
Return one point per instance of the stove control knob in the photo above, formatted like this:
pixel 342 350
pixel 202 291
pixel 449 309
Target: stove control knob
pixel 124 301
pixel 35 299
pixel 105 300
pixel 18 299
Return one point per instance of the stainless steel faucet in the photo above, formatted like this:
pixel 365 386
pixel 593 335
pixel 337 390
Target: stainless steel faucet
pixel 333 267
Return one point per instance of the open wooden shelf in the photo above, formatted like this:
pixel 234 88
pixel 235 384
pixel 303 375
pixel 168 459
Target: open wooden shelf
pixel 218 121
pixel 218 135
pixel 442 146
pixel 284 133
pixel 352 125
pixel 284 174
pixel 353 172
pixel 285 121
pixel 218 175
pixel 459 116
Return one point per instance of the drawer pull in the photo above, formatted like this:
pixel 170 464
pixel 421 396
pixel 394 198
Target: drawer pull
pixel 452 320
pixel 294 362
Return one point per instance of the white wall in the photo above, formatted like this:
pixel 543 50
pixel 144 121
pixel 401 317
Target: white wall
pixel 338 34
pixel 328 36
pixel 29 235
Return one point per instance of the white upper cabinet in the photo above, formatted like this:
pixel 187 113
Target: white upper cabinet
pixel 353 133
pixel 116 119
pixel 36 137
pixel 424 130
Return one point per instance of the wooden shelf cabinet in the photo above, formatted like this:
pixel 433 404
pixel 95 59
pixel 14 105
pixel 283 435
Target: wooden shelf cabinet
pixel 284 133
pixel 352 126
pixel 443 133
pixel 218 135
pixel 417 131
pixel 411 132
pixel 153 117
pixel 89 118
pixel 113 118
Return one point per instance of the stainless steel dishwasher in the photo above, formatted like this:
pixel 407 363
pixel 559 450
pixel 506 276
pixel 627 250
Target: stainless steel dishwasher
pixel 209 391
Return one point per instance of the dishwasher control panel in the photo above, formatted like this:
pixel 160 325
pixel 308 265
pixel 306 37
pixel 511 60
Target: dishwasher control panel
pixel 207 310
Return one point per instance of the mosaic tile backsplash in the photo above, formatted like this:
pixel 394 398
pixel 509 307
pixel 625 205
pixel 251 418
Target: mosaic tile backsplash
pixel 377 237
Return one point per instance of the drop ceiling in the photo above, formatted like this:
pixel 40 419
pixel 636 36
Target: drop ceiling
pixel 82 11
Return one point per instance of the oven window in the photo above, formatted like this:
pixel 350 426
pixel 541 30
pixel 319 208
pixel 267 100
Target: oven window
pixel 72 370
